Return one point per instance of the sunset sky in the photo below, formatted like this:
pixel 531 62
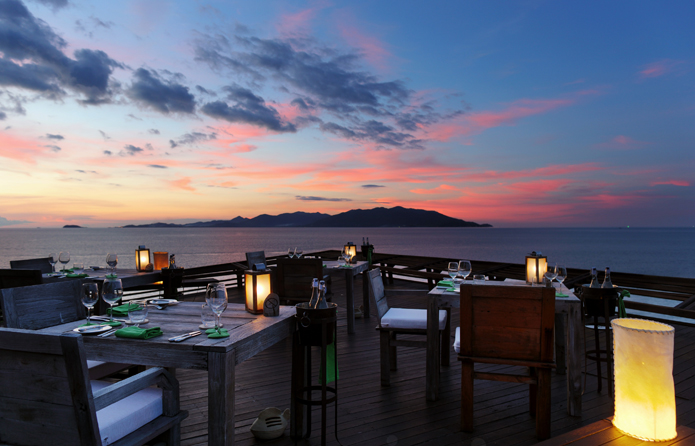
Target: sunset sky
pixel 513 113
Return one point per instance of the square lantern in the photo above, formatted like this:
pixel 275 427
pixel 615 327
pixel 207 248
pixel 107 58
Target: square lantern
pixel 350 249
pixel 536 266
pixel 142 258
pixel 257 289
pixel 161 260
pixel 645 398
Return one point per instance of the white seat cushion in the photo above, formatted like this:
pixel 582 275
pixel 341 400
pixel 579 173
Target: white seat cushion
pixel 457 340
pixel 410 318
pixel 101 369
pixel 125 416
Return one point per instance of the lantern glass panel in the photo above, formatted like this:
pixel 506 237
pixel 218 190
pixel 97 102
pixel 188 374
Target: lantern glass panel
pixel 142 258
pixel 536 268
pixel 260 282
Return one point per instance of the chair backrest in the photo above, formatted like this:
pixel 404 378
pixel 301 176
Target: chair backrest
pixel 376 289
pixel 45 397
pixel 293 280
pixel 41 306
pixel 43 264
pixel 253 258
pixel 507 322
pixel 12 278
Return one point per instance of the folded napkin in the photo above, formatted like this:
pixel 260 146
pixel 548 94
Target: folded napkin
pixel 111 276
pixel 558 294
pixel 213 334
pixel 113 324
pixel 139 333
pixel 76 276
pixel 122 310
pixel 445 283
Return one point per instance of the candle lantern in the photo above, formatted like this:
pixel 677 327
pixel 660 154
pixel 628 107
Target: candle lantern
pixel 536 266
pixel 645 399
pixel 142 258
pixel 350 249
pixel 257 290
pixel 161 260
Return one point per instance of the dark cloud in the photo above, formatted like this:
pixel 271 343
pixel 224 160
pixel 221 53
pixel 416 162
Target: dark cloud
pixel 131 150
pixel 153 131
pixel 54 148
pixel 6 222
pixel 108 152
pixel 304 198
pixel 157 166
pixel 166 96
pixel 3 116
pixel 44 67
pixel 55 4
pixel 249 109
pixel 87 171
pixel 370 186
pixel 200 89
pixel 56 137
pixel 192 138
pixel 375 131
pixel 104 135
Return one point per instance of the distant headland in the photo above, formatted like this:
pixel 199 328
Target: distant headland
pixel 357 218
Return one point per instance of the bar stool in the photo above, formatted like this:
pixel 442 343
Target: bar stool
pixel 598 308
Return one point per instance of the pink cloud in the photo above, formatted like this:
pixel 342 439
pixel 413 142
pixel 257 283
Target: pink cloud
pixel 297 23
pixel 443 188
pixel 182 183
pixel 20 149
pixel 671 183
pixel 372 49
pixel 659 68
pixel 621 142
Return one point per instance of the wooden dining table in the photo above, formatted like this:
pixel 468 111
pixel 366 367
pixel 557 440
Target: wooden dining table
pixel 129 277
pixel 351 271
pixel 249 335
pixel 567 308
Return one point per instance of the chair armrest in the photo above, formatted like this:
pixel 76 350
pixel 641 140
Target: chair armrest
pixel 395 292
pixel 121 389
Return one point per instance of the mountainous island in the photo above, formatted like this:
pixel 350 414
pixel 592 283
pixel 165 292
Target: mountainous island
pixel 357 218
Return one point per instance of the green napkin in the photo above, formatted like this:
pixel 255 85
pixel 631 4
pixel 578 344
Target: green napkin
pixel 215 335
pixel 622 313
pixel 113 324
pixel 76 276
pixel 138 333
pixel 331 367
pixel 446 283
pixel 66 270
pixel 559 294
pixel 122 310
pixel 111 276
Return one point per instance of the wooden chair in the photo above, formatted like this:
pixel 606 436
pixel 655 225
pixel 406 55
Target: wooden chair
pixel 43 264
pixel 510 325
pixel 395 321
pixel 293 278
pixel 46 397
pixel 13 278
pixel 41 306
pixel 255 258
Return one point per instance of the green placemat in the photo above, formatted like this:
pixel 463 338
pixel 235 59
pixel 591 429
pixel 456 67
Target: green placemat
pixel 139 333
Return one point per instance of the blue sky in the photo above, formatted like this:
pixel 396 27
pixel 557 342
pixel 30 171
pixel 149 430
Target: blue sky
pixel 524 113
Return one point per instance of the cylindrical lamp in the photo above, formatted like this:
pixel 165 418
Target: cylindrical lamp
pixel 257 289
pixel 536 266
pixel 142 258
pixel 161 260
pixel 645 399
pixel 350 249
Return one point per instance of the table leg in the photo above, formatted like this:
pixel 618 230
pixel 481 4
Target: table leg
pixel 350 300
pixel 431 373
pixel 574 354
pixel 221 398
pixel 560 343
pixel 365 294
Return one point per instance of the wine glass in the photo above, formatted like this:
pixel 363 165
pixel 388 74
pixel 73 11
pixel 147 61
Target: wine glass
pixel 453 270
pixel 137 312
pixel 64 258
pixel 290 252
pixel 561 273
pixel 90 296
pixel 464 268
pixel 346 257
pixel 550 273
pixel 112 292
pixel 298 252
pixel 53 259
pixel 112 261
pixel 216 298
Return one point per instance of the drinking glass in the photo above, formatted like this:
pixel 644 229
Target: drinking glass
pixel 64 258
pixel 479 278
pixel 90 296
pixel 112 261
pixel 216 298
pixel 551 273
pixel 290 252
pixel 207 317
pixel 561 273
pixel 112 292
pixel 77 268
pixel 346 256
pixel 53 259
pixel 464 268
pixel 298 252
pixel 138 313
pixel 453 270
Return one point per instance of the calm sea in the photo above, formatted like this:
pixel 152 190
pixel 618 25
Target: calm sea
pixel 658 251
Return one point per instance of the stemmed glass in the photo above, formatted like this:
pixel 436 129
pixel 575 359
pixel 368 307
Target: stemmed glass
pixel 551 273
pixel 298 252
pixel 216 298
pixel 112 261
pixel 561 273
pixel 453 271
pixel 64 258
pixel 90 296
pixel 464 269
pixel 290 252
pixel 53 259
pixel 112 292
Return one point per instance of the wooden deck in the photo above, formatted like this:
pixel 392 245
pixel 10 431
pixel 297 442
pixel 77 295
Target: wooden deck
pixel 399 415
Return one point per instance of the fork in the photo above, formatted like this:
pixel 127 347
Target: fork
pixel 107 333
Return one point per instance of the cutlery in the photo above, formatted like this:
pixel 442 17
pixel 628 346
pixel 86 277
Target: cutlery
pixel 107 333
pixel 185 336
pixel 107 319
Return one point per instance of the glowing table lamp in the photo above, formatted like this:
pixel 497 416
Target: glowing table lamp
pixel 645 399
pixel 350 249
pixel 536 266
pixel 161 260
pixel 142 258
pixel 257 289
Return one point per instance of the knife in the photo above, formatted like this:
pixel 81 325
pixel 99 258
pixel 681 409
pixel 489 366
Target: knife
pixel 184 336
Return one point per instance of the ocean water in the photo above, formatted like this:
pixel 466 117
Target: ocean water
pixel 657 251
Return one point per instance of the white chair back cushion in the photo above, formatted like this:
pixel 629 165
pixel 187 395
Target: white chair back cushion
pixel 410 318
pixel 457 340
pixel 125 416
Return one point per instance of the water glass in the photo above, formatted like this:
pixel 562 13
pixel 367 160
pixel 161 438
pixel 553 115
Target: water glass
pixel 137 312
pixel 479 279
pixel 207 317
pixel 77 268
